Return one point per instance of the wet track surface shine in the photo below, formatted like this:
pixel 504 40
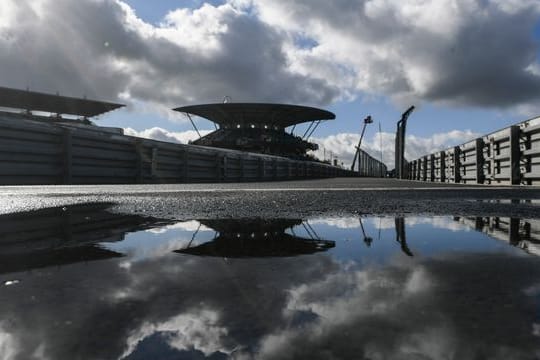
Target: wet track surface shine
pixel 286 199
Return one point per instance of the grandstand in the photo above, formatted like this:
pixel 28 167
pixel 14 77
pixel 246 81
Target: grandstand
pixel 259 128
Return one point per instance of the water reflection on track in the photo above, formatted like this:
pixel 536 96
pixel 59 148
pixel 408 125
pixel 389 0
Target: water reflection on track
pixel 84 282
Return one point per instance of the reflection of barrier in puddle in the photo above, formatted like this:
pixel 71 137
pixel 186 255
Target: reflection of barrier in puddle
pixel 524 234
pixel 243 238
pixel 63 235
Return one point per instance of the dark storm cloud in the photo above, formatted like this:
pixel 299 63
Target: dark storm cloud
pixel 479 53
pixel 100 49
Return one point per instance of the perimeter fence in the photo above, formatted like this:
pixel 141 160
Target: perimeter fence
pixel 34 152
pixel 508 156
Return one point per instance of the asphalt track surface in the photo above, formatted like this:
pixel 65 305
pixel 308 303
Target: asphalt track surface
pixel 289 199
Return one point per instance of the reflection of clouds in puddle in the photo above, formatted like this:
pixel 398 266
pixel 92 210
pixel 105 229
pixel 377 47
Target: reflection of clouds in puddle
pixel 198 330
pixel 399 312
pixel 192 225
pixel 462 306
pixel 311 307
pixel 9 347
pixel 438 222
pixel 340 223
pixel 162 241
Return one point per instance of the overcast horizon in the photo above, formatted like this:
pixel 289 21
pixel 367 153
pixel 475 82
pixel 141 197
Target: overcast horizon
pixel 470 67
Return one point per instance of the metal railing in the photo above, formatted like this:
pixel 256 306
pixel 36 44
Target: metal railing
pixel 508 156
pixel 368 166
pixel 37 153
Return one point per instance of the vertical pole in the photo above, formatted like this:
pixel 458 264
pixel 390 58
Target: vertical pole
pixel 479 149
pixel 242 168
pixel 442 166
pixel 154 164
pixel 457 164
pixel 432 168
pixel 185 164
pixel 138 161
pixel 261 169
pixel 515 152
pixel 513 231
pixel 67 144
pixel 424 168
pixel 225 167
pixel 397 161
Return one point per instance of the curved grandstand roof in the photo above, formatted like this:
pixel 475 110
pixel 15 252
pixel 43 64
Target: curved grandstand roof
pixel 282 115
pixel 37 101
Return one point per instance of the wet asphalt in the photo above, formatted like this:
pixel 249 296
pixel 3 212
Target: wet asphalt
pixel 288 199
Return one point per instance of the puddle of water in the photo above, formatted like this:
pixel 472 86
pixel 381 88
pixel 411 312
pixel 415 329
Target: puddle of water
pixel 85 283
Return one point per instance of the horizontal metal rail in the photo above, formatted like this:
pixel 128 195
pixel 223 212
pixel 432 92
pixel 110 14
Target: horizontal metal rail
pixel 37 153
pixel 509 156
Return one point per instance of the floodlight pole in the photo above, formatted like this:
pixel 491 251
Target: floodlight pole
pixel 367 121
pixel 400 144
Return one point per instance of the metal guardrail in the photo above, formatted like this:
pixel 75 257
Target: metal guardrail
pixel 37 153
pixel 368 166
pixel 523 233
pixel 509 156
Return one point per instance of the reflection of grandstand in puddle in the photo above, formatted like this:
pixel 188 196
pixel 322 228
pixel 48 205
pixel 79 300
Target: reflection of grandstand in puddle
pixel 59 236
pixel 524 234
pixel 257 238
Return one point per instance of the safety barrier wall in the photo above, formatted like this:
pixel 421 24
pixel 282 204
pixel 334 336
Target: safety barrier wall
pixel 509 156
pixel 36 153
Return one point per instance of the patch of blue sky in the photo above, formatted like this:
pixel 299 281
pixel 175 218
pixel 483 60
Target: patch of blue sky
pixel 304 42
pixel 154 11
pixel 426 120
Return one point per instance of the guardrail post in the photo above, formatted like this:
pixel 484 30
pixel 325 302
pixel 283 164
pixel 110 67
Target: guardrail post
pixel 242 168
pixel 185 165
pixel 492 162
pixel 154 163
pixel 432 167
pixel 138 161
pixel 515 156
pixel 479 149
pixel 67 161
pixel 225 167
pixel 457 164
pixel 261 169
pixel 424 168
pixel 289 169
pixel 442 165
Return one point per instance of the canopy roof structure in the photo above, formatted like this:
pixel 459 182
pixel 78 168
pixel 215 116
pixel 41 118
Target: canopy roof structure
pixel 36 101
pixel 280 115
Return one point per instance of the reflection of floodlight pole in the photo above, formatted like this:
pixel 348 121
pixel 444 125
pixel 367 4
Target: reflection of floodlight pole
pixel 367 121
pixel 368 240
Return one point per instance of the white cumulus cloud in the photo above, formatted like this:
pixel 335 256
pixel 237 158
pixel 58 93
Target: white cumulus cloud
pixel 157 133
pixel 343 145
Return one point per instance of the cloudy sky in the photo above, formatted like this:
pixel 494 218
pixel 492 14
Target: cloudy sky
pixel 470 66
